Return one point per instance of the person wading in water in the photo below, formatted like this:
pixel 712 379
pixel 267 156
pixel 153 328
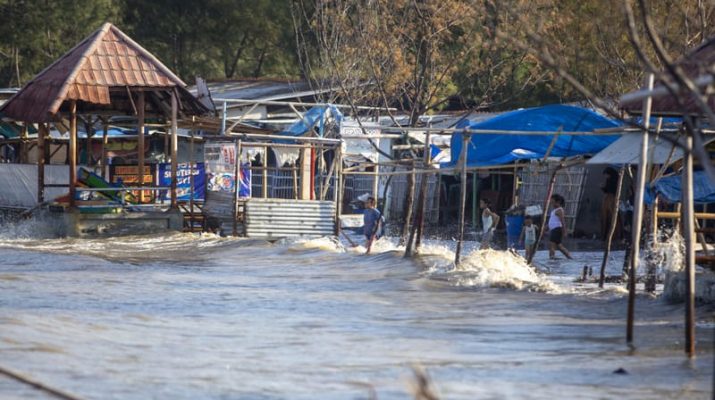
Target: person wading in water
pixel 557 227
pixel 372 222
pixel 490 220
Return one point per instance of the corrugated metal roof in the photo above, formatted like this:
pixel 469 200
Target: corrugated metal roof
pixel 696 64
pixel 263 89
pixel 106 59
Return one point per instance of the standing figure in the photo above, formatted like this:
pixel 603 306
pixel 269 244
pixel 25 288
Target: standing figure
pixel 528 236
pixel 557 227
pixel 490 220
pixel 609 186
pixel 372 221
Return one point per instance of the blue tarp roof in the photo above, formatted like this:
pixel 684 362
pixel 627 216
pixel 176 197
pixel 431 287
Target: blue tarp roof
pixel 670 189
pixel 497 149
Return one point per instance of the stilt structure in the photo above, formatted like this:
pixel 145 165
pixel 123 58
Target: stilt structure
pixel 612 228
pixel 462 196
pixel 638 212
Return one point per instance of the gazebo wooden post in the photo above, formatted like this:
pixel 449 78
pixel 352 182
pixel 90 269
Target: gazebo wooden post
pixel 191 178
pixel 140 144
pixel 73 153
pixel 23 144
pixel 105 140
pixel 41 164
pixel 236 184
pixel 174 148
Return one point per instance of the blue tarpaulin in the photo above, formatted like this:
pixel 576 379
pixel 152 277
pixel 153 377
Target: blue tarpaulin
pixel 670 189
pixel 315 117
pixel 497 149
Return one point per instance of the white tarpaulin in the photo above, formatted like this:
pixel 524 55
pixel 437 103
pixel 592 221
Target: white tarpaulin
pixel 626 150
pixel 357 144
pixel 19 184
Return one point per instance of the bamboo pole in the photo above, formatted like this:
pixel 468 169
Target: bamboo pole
pixel 463 197
pixel 612 228
pixel 174 148
pixel 638 213
pixel 688 229
pixel 73 153
pixel 140 143
pixel 41 163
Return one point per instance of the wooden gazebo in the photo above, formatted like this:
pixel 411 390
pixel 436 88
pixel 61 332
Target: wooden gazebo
pixel 106 74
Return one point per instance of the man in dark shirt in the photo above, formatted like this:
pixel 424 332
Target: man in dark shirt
pixel 608 204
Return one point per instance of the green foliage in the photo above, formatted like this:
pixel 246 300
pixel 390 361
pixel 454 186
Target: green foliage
pixel 33 33
pixel 416 55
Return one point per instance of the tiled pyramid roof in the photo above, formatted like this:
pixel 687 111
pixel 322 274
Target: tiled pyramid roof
pixel 106 59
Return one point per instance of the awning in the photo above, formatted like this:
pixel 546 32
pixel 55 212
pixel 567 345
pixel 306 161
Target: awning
pixel 626 150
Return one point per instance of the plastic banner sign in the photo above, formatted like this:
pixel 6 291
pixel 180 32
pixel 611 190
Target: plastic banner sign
pixel 183 181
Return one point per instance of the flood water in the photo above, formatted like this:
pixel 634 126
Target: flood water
pixel 182 316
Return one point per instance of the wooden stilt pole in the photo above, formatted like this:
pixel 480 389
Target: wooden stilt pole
pixel 191 179
pixel 612 228
pixel 651 267
pixel 638 213
pixel 547 204
pixel 140 144
pixel 23 144
pixel 295 180
pixel 174 148
pixel 237 184
pixel 421 200
pixel 475 194
pixel 423 196
pixel 462 196
pixel 73 153
pixel 264 176
pixel 338 194
pixel 41 163
pixel 688 229
pixel 410 193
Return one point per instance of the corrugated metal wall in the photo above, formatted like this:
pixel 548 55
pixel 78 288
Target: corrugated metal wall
pixel 278 218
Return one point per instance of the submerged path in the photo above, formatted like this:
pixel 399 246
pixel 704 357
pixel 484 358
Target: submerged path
pixel 189 317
